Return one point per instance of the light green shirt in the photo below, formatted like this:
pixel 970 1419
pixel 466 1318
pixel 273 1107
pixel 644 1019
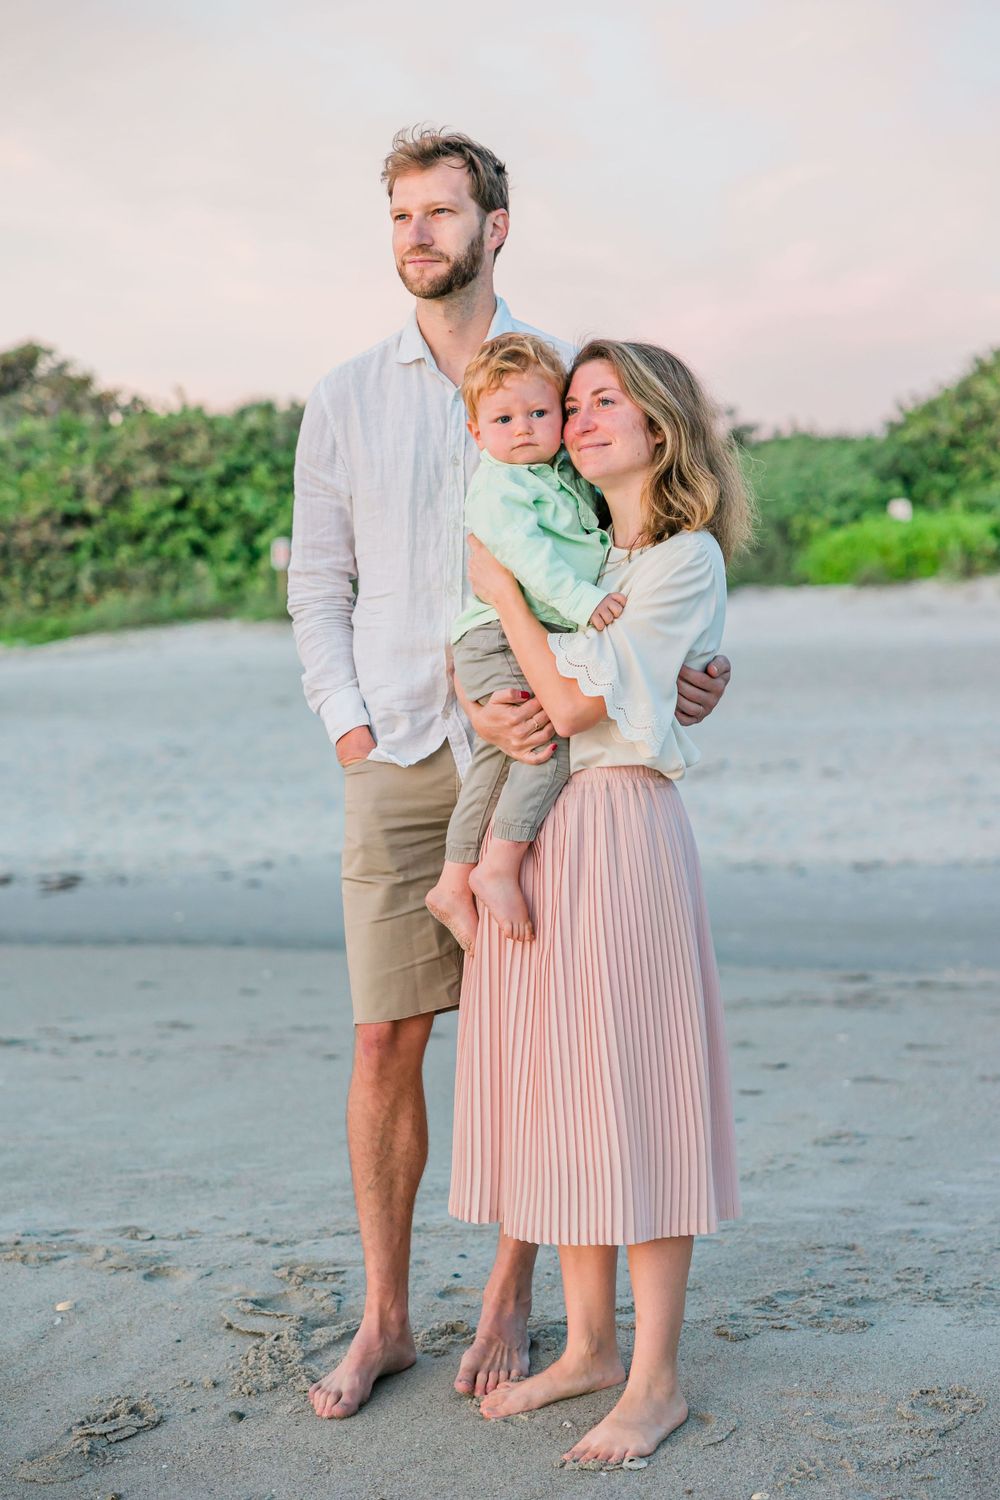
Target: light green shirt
pixel 540 521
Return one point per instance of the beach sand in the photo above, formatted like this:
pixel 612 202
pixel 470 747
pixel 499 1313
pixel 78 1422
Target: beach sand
pixel 175 1047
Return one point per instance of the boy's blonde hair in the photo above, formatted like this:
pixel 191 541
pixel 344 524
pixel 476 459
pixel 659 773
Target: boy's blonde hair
pixel 510 354
pixel 695 480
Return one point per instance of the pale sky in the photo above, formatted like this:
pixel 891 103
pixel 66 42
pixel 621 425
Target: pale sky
pixel 796 196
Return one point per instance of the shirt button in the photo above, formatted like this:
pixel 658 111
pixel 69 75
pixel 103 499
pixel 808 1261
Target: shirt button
pixel 455 460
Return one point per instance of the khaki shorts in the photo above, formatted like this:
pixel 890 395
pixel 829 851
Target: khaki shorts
pixel 401 961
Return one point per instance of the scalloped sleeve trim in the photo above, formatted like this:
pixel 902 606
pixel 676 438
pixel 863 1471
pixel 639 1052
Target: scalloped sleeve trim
pixel 635 722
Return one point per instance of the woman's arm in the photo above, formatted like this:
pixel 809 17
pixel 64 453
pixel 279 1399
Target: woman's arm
pixel 569 709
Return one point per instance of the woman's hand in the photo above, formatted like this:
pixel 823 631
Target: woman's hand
pixel 491 581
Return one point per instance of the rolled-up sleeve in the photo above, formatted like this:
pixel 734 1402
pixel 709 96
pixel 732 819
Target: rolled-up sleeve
pixel 322 574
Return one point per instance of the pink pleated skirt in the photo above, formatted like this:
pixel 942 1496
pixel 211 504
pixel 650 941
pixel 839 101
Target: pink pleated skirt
pixel 592 1095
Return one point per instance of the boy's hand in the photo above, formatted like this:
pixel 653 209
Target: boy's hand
pixel 609 609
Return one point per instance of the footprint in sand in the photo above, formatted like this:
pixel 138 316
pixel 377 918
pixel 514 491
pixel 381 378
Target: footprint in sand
pixel 285 1327
pixel 877 1429
pixel 88 1442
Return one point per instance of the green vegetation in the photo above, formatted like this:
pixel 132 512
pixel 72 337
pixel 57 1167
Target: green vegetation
pixel 955 543
pixel 815 492
pixel 114 514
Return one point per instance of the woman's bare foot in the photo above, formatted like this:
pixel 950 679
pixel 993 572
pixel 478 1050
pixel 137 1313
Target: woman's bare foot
pixel 345 1389
pixel 452 903
pixel 503 898
pixel 634 1428
pixel 567 1376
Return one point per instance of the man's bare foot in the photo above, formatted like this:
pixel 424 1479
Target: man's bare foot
pixel 568 1376
pixel 457 911
pixel 504 900
pixel 498 1353
pixel 370 1356
pixel 634 1428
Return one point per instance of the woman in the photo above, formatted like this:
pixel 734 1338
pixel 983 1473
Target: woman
pixel 592 1093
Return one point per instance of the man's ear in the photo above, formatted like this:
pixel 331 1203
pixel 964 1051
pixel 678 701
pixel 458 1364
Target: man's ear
pixel 498 230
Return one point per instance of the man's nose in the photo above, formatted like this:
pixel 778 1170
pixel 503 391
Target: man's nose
pixel 418 231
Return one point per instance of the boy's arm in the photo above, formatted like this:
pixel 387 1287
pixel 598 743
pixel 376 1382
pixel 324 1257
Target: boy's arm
pixel 505 522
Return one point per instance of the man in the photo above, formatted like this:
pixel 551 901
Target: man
pixel 376 579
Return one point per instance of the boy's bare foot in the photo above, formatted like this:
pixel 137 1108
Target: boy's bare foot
pixel 504 900
pixel 634 1428
pixel 457 910
pixel 567 1376
pixel 345 1389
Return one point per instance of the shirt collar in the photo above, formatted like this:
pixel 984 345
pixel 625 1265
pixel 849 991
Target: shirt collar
pixel 413 346
pixel 557 465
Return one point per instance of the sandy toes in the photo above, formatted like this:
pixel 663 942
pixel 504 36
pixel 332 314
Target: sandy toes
pixel 634 1428
pixel 499 1353
pixel 563 1379
pixel 504 900
pixel 347 1388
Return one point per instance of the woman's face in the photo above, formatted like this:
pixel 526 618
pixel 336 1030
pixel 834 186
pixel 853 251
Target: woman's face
pixel 606 435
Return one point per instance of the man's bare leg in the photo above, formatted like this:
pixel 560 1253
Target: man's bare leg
pixel 387 1138
pixel 499 1351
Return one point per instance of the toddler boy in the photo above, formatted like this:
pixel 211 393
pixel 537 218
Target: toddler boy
pixel 535 513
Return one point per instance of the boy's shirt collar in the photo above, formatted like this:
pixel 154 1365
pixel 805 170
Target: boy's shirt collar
pixel 559 464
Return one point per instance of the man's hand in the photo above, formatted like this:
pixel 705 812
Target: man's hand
pixel 356 744
pixel 514 721
pixel 699 692
pixel 608 610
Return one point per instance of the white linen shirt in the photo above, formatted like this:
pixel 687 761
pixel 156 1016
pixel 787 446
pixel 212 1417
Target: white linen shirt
pixel 377 572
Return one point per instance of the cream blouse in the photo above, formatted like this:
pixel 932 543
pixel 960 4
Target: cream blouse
pixel 674 617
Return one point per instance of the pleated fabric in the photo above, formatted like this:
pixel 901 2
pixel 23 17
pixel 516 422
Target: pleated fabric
pixel 592 1094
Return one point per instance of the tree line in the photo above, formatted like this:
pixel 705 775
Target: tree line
pixel 113 513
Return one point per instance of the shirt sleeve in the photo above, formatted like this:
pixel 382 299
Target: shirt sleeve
pixel 507 525
pixel 674 611
pixel 322 573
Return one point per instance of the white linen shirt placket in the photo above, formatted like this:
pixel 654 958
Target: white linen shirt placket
pixel 377 573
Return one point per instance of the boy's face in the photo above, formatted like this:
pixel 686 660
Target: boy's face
pixel 521 421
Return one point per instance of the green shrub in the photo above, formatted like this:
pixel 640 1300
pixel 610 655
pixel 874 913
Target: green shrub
pixel 946 449
pixel 805 484
pixel 880 550
pixel 111 513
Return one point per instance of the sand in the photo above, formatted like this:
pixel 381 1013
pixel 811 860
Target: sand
pixel 175 1047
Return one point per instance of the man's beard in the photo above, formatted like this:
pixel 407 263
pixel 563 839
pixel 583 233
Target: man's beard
pixel 453 276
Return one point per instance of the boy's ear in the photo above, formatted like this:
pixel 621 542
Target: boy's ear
pixel 474 429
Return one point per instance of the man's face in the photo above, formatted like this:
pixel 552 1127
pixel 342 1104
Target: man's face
pixel 440 235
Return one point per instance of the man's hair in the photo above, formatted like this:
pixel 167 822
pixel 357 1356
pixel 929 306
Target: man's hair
pixel 510 354
pixel 695 481
pixel 419 147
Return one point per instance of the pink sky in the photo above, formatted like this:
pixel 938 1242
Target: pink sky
pixel 798 197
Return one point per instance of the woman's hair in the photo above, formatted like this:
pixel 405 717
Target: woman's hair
pixel 510 354
pixel 695 482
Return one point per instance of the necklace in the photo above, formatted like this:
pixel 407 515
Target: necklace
pixel 625 546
